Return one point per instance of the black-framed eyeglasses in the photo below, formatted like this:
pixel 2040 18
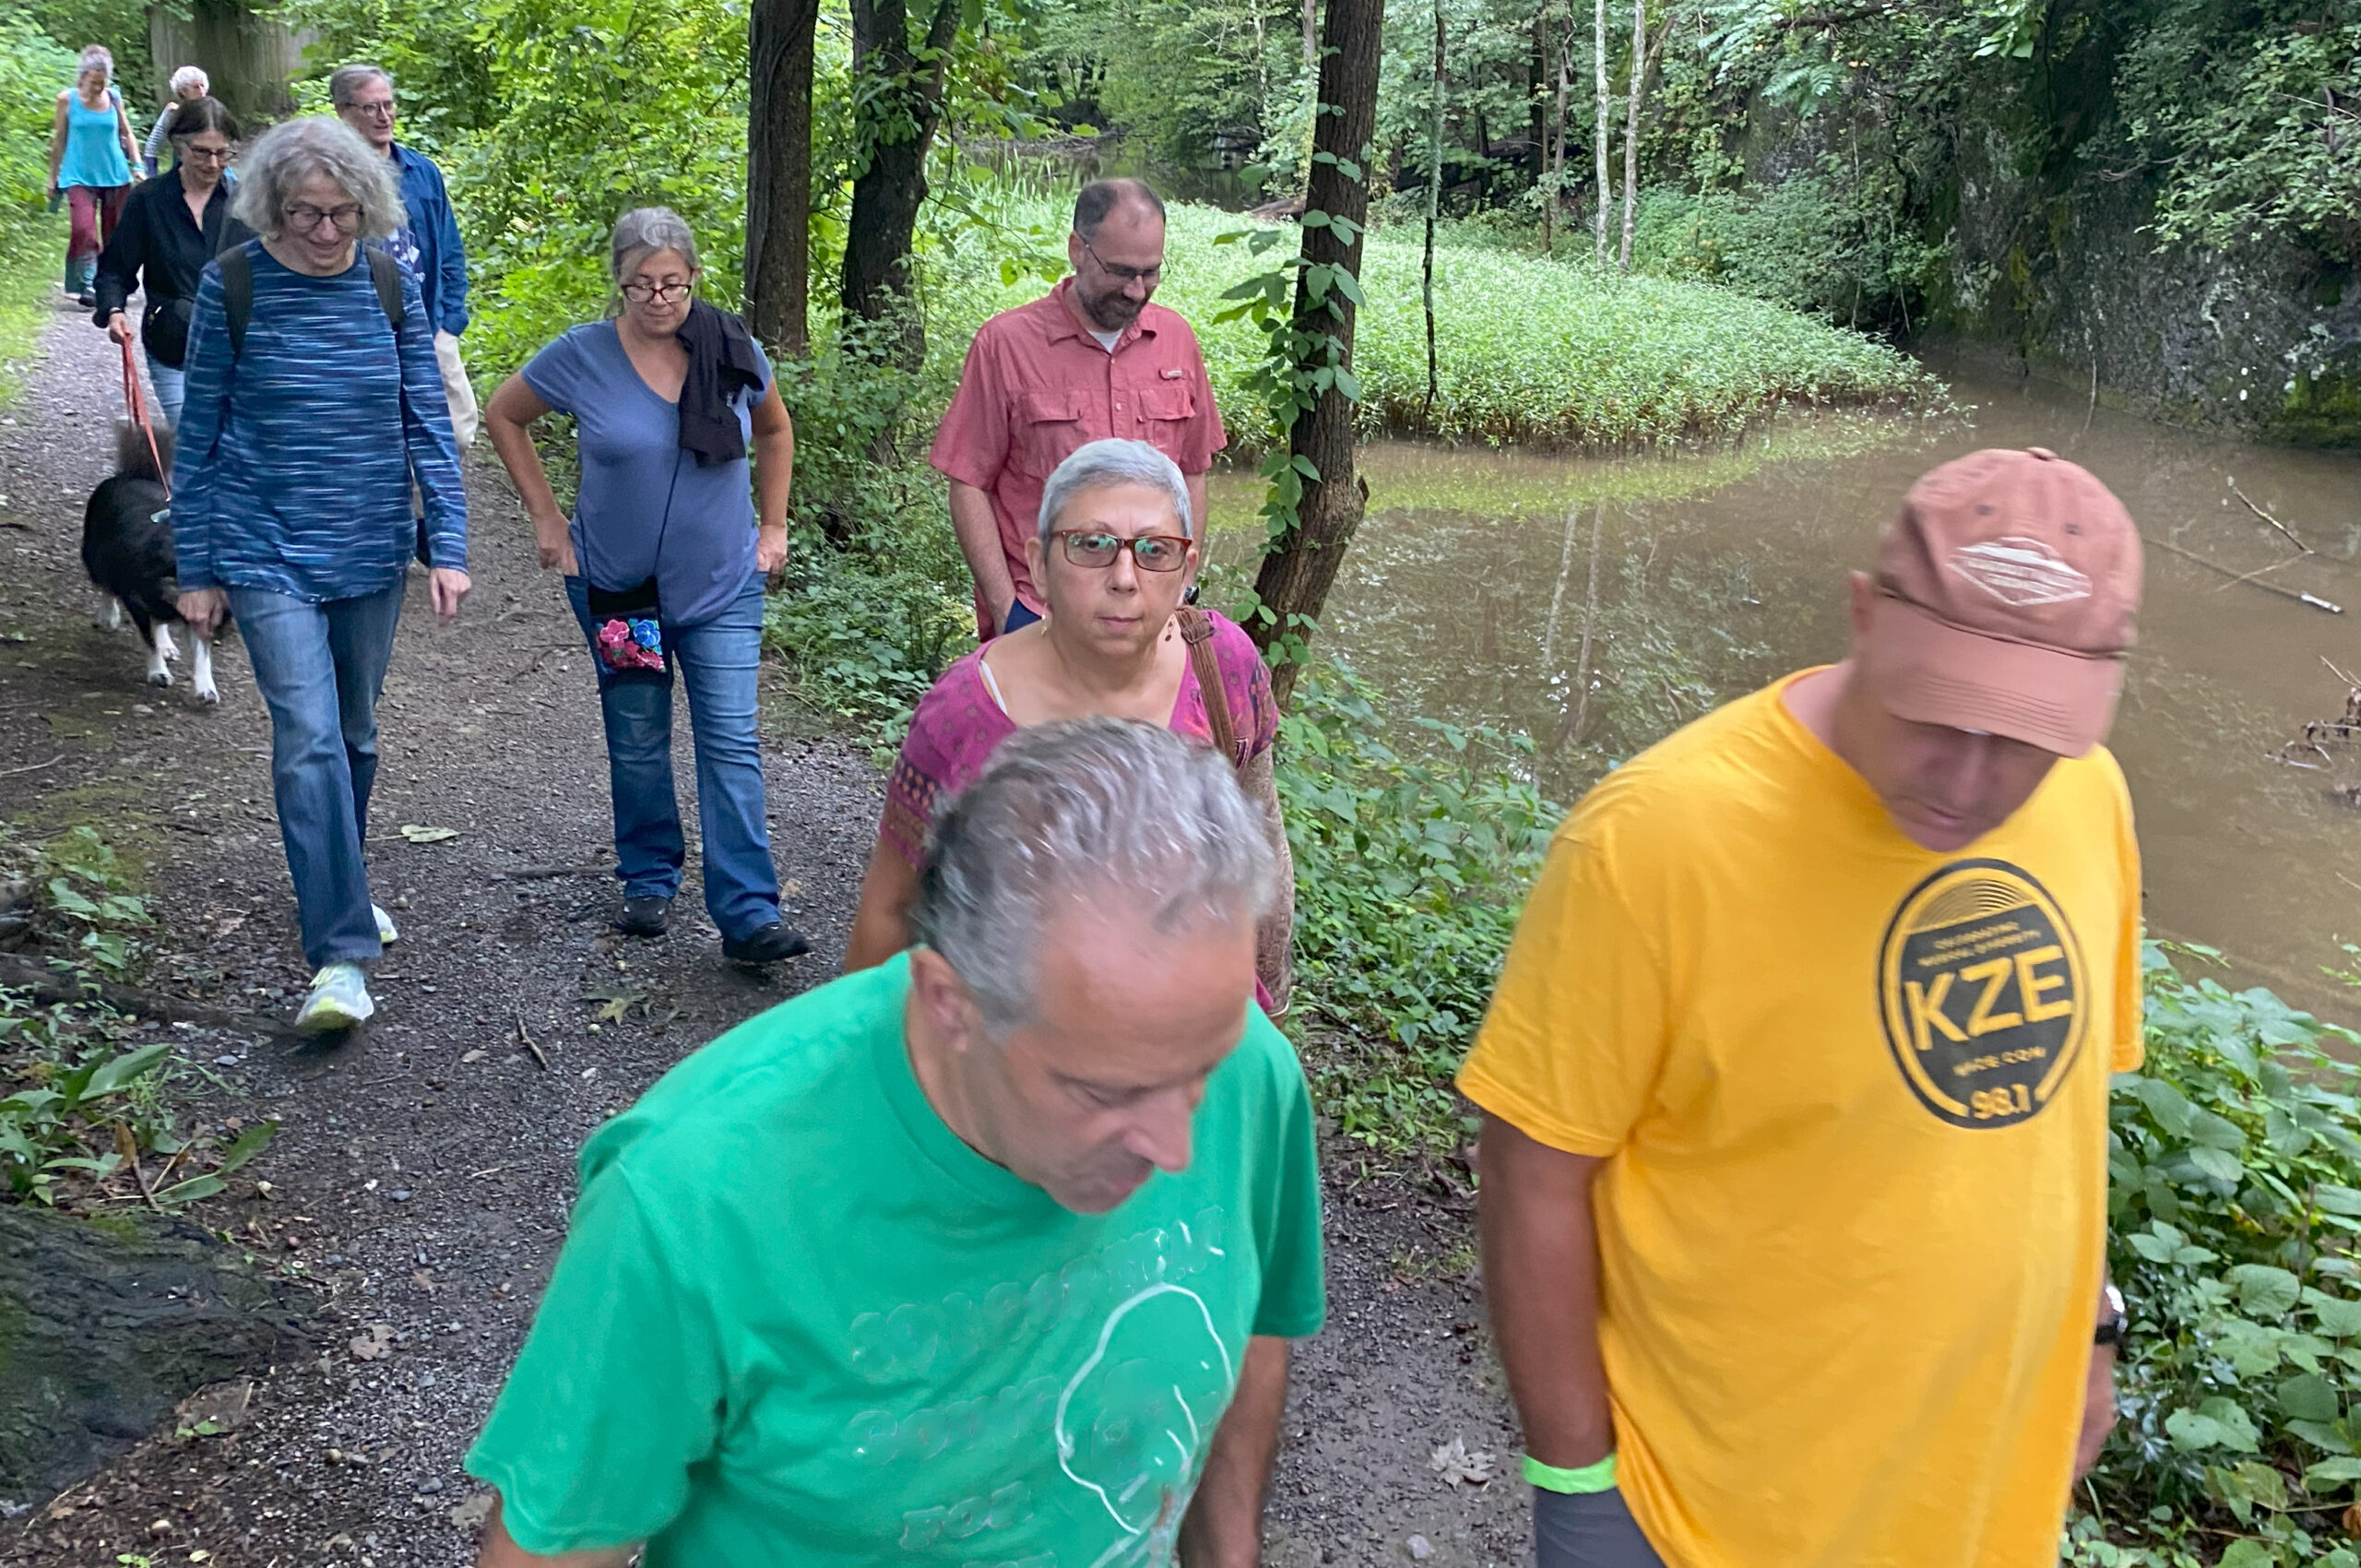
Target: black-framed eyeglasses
pixel 305 218
pixel 663 293
pixel 206 154
pixel 1147 275
pixel 1150 551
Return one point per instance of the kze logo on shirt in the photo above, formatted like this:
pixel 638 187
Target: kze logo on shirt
pixel 1981 987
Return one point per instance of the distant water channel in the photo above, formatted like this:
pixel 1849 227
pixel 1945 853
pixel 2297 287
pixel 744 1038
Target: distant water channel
pixel 1469 587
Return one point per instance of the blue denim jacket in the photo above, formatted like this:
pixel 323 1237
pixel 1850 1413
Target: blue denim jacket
pixel 443 260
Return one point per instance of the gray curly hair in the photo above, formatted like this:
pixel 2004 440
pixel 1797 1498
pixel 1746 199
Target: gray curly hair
pixel 645 231
pixel 290 152
pixel 1084 809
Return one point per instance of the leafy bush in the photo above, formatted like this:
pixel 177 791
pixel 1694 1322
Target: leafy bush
pixel 2234 1206
pixel 1824 242
pixel 33 68
pixel 862 644
pixel 1409 875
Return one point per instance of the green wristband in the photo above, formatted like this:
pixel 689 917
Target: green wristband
pixel 1589 1479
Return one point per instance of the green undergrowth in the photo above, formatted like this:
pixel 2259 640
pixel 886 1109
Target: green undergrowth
pixel 1530 351
pixel 91 1114
pixel 33 240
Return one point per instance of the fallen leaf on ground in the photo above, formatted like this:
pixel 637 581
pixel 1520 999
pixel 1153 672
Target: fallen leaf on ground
pixel 224 1407
pixel 475 1056
pixel 471 1514
pixel 376 1343
pixel 1457 1467
pixel 418 835
pixel 424 1280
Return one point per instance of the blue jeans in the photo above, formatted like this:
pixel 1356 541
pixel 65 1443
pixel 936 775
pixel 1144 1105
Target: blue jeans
pixel 719 661
pixel 171 385
pixel 319 668
pixel 1020 616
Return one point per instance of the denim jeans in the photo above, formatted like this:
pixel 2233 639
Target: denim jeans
pixel 719 661
pixel 170 384
pixel 1588 1530
pixel 319 668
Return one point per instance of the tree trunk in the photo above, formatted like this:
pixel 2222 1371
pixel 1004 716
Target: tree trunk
pixel 1312 38
pixel 1631 127
pixel 889 185
pixel 779 171
pixel 1536 81
pixel 1301 565
pixel 1606 107
pixel 1434 206
pixel 1556 202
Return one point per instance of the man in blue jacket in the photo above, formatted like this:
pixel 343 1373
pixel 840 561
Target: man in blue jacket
pixel 429 248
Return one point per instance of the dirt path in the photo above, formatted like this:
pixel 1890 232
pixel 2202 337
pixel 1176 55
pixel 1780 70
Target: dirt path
pixel 423 1173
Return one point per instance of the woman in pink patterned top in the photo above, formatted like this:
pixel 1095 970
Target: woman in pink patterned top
pixel 1115 552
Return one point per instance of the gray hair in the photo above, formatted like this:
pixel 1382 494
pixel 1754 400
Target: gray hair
pixel 1102 465
pixel 1098 201
pixel 96 57
pixel 290 152
pixel 188 77
pixel 642 232
pixel 346 80
pixel 1068 812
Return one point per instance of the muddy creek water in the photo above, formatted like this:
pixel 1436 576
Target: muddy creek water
pixel 1469 588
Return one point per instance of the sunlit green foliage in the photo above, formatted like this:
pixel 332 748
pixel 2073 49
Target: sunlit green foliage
pixel 33 69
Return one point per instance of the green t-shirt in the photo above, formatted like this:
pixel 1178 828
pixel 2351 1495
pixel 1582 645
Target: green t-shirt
pixel 797 1321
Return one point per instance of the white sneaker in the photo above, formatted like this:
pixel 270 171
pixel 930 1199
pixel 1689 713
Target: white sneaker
pixel 339 1000
pixel 388 932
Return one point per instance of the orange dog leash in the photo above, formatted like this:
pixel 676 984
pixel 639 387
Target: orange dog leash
pixel 135 402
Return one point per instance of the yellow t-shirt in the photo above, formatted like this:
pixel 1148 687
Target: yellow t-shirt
pixel 1852 1097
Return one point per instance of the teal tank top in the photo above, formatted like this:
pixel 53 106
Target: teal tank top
pixel 94 146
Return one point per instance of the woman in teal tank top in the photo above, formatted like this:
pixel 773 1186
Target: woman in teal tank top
pixel 91 151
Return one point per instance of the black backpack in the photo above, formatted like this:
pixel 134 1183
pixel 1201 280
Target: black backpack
pixel 238 291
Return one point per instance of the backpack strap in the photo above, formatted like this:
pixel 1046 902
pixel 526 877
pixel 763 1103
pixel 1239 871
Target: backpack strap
pixel 386 273
pixel 237 294
pixel 238 291
pixel 1197 631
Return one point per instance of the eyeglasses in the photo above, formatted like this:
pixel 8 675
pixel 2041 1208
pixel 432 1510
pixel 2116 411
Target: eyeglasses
pixel 304 216
pixel 663 293
pixel 1150 551
pixel 1147 275
pixel 206 154
pixel 374 111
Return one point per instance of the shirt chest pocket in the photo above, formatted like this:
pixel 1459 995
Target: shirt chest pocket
pixel 1166 410
pixel 1048 427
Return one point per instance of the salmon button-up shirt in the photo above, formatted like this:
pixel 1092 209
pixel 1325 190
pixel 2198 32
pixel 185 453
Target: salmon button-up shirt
pixel 1036 386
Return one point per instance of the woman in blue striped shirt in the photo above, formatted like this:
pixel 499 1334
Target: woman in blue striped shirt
pixel 303 427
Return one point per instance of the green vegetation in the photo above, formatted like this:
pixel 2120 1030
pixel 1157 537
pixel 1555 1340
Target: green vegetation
pixel 2236 1205
pixel 32 245
pixel 90 1119
pixel 1531 351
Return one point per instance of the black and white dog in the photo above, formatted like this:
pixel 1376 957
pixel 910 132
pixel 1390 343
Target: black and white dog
pixel 127 550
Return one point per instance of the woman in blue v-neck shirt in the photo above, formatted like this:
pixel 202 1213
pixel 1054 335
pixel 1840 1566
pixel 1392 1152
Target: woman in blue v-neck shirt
pixel 664 566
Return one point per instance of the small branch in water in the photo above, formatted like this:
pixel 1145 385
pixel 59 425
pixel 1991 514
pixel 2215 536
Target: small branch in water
pixel 2249 579
pixel 2267 518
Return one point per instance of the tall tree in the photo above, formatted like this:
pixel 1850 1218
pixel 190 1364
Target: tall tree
pixel 1631 128
pixel 1434 206
pixel 898 98
pixel 1606 107
pixel 778 171
pixel 1301 566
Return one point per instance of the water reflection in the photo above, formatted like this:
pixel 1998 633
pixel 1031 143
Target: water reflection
pixel 1469 596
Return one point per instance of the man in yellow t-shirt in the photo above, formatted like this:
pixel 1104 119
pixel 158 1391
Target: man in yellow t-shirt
pixel 1795 1086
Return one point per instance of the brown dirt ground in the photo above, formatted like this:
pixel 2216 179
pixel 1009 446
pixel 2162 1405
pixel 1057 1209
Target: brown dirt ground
pixel 424 1170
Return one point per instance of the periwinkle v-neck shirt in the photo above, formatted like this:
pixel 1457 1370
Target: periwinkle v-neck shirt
pixel 646 507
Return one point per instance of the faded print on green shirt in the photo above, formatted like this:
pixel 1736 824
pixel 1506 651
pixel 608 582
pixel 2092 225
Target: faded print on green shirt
pixel 797 1320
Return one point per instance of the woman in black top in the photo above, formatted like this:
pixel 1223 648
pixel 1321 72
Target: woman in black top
pixel 172 226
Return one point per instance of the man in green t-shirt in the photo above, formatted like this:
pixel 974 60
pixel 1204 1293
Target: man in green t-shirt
pixel 984 1258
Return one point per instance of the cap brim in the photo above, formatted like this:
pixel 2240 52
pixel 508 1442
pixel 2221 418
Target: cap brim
pixel 1932 672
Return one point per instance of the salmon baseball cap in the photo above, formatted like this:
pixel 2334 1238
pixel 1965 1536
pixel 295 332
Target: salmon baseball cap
pixel 2006 592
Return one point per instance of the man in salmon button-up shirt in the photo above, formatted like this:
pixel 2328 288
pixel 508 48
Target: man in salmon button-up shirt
pixel 1090 359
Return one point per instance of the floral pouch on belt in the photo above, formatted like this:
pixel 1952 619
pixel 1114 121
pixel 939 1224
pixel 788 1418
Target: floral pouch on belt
pixel 627 628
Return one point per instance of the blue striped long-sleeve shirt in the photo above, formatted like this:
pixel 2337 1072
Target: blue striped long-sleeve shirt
pixel 295 458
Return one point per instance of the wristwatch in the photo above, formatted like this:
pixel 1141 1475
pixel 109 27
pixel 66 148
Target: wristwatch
pixel 2112 1328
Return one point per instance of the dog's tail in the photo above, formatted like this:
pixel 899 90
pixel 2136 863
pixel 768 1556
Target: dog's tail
pixel 132 458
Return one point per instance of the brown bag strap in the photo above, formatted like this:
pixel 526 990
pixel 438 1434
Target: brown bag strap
pixel 1197 631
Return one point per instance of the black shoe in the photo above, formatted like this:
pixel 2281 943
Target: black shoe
pixel 767 945
pixel 86 299
pixel 645 916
